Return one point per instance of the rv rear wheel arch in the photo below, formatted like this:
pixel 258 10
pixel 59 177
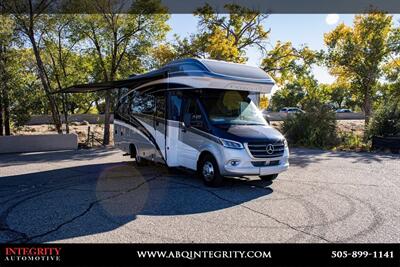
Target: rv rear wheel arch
pixel 132 151
pixel 135 154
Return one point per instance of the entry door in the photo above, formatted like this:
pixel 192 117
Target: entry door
pixel 189 139
pixel 159 125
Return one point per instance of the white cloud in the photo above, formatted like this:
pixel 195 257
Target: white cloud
pixel 332 19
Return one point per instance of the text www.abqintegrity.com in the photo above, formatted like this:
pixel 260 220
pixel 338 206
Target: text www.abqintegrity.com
pixel 204 254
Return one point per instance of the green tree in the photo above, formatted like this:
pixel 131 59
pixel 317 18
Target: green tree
pixel 289 96
pixel 291 68
pixel 338 94
pixel 356 54
pixel 226 37
pixel 118 40
pixel 64 66
pixel 6 38
pixel 31 26
pixel 26 95
pixel 220 36
pixel 285 63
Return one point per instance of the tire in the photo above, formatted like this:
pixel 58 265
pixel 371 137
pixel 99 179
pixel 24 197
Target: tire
pixel 139 160
pixel 269 177
pixel 209 171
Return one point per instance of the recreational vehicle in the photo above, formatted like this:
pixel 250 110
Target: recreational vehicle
pixel 198 114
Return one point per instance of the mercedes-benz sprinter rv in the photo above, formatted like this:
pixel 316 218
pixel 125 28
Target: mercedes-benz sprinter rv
pixel 199 114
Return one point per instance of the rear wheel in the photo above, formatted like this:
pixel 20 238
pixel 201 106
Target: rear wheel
pixel 139 160
pixel 268 177
pixel 209 171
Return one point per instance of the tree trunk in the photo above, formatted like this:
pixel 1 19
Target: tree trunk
pixel 106 137
pixel 41 71
pixel 4 99
pixel 6 108
pixel 367 108
pixel 1 115
pixel 65 111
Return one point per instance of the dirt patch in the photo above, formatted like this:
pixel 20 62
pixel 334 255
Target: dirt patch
pixel 353 126
pixel 80 130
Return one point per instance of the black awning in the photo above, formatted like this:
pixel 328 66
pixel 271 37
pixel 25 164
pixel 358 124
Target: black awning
pixel 93 87
pixel 133 82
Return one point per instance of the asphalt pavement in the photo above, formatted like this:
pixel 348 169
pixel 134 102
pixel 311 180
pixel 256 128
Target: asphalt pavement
pixel 98 195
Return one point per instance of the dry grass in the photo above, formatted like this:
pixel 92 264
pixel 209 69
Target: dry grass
pixel 80 130
pixel 354 126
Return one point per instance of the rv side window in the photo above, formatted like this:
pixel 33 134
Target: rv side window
pixel 148 104
pixel 142 104
pixel 175 107
pixel 124 106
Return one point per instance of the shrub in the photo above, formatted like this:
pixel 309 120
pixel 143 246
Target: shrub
pixel 386 120
pixel 351 141
pixel 315 128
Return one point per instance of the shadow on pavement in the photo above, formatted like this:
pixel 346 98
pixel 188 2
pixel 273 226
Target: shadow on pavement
pixel 16 159
pixel 80 201
pixel 302 157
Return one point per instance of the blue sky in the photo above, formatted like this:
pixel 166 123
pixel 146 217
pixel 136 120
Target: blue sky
pixel 300 29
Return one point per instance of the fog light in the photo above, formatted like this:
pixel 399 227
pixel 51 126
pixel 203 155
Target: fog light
pixel 234 162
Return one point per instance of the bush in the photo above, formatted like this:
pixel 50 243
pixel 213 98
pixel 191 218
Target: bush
pixel 351 141
pixel 386 120
pixel 315 128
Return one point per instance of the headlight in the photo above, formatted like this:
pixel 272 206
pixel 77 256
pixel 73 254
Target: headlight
pixel 231 144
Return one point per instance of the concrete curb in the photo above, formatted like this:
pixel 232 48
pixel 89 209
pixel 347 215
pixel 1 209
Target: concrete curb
pixel 37 143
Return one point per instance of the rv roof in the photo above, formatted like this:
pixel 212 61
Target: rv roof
pixel 228 69
pixel 184 67
pixel 235 70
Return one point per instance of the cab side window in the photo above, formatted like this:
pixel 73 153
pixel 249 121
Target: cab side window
pixel 197 120
pixel 175 104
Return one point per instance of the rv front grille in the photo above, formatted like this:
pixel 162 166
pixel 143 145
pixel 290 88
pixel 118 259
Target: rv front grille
pixel 266 149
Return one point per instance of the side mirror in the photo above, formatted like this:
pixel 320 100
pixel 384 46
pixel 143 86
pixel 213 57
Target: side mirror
pixel 267 118
pixel 187 117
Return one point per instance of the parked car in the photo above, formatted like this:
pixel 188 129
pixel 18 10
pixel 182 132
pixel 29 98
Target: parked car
pixel 291 110
pixel 344 110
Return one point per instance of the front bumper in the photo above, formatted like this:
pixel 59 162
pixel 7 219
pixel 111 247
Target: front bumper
pixel 246 166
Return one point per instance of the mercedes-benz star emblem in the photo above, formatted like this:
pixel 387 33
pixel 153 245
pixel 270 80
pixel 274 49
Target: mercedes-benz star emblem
pixel 270 149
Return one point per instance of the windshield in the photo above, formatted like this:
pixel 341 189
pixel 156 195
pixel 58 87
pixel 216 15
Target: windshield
pixel 231 107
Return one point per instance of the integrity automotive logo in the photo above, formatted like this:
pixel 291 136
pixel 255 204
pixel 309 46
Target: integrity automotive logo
pixel 31 254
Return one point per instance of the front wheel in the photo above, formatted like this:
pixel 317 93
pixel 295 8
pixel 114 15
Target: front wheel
pixel 209 172
pixel 268 177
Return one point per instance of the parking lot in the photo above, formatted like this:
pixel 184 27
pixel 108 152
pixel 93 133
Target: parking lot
pixel 100 196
